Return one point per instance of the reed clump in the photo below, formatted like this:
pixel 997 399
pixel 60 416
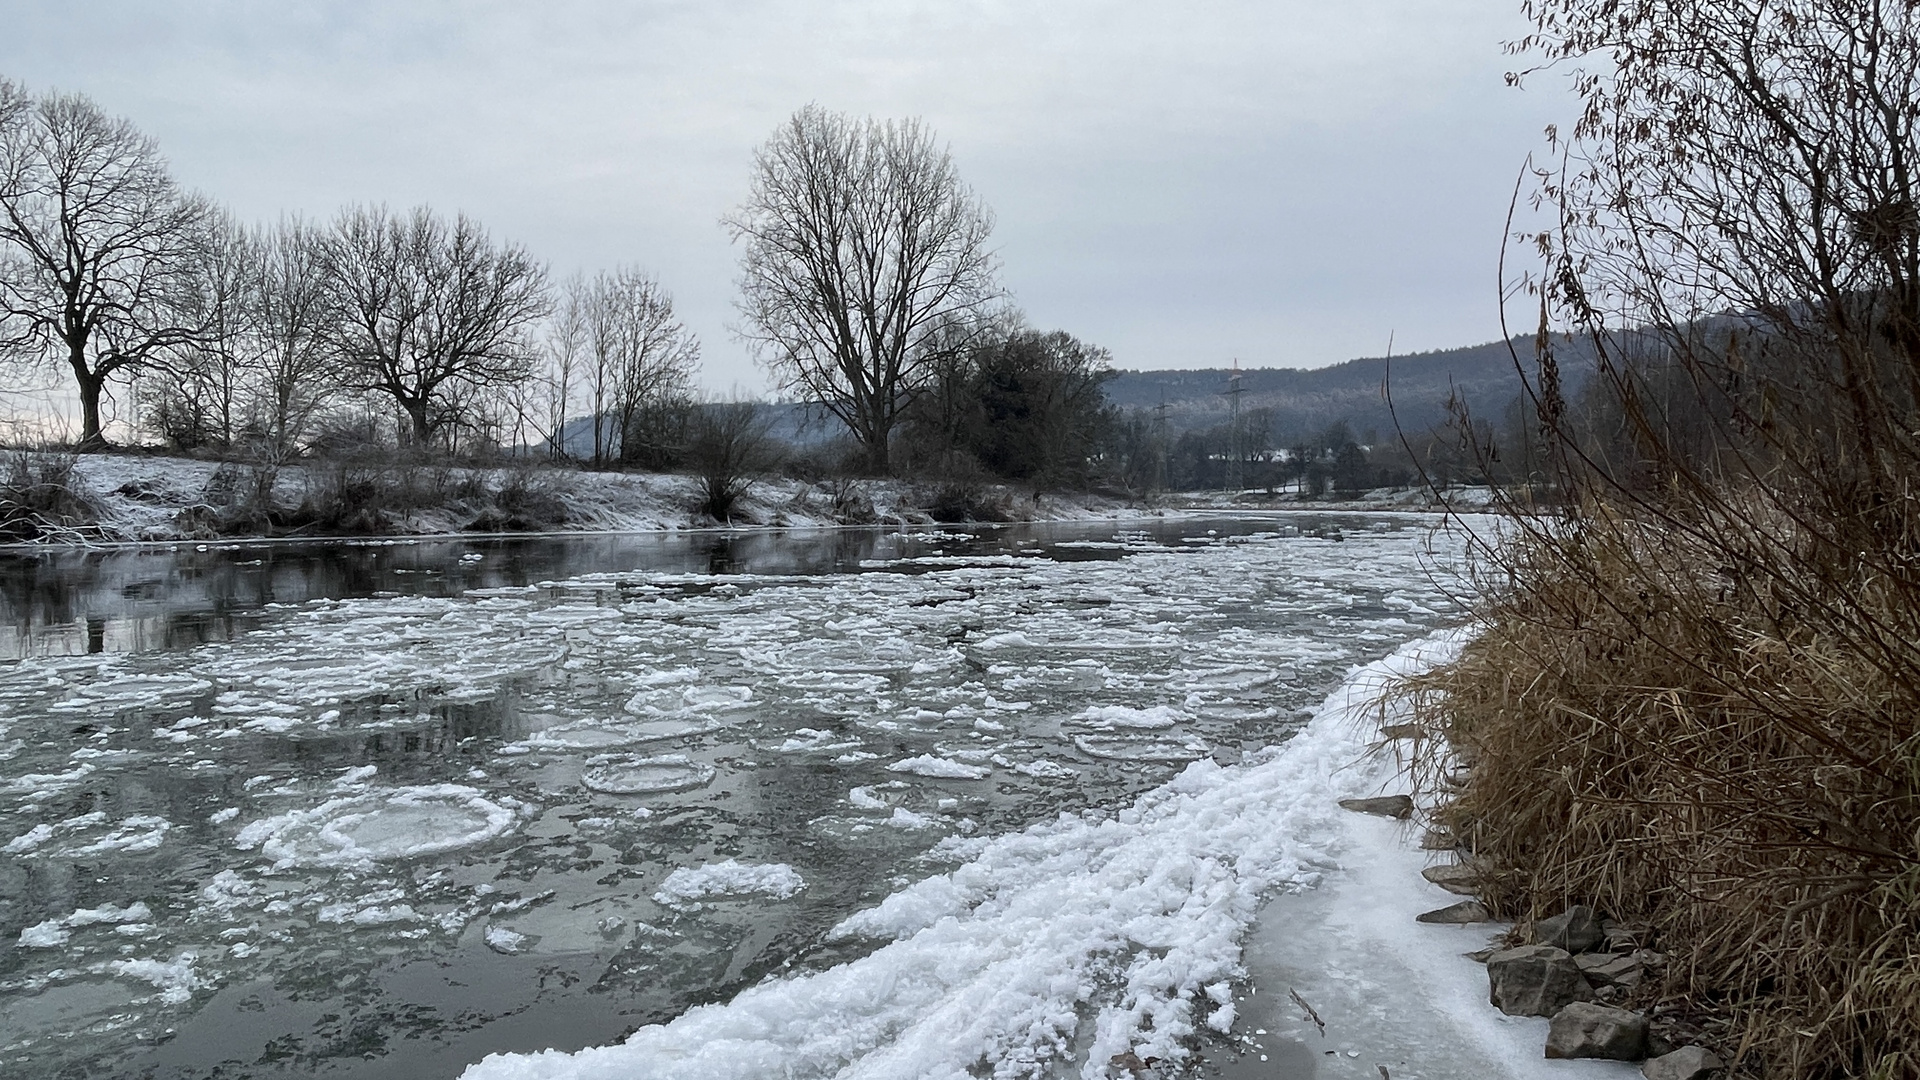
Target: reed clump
pixel 1706 724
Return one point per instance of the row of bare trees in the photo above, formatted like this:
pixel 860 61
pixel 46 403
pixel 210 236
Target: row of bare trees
pixel 866 284
pixel 239 334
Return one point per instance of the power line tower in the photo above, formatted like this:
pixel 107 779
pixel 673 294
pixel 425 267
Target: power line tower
pixel 1236 438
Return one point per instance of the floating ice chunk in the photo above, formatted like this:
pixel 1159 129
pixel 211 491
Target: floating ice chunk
pixel 29 840
pixel 625 774
pixel 175 978
pixel 865 799
pixel 668 677
pixel 221 817
pixel 817 739
pixel 134 835
pixel 226 891
pixel 941 768
pixel 108 913
pixel 398 823
pixel 1108 717
pixel 373 915
pixel 1221 1019
pixel 1042 769
pixel 716 697
pixel 1012 639
pixel 686 887
pixel 50 934
pixel 1135 748
pixel 903 818
pixel 354 777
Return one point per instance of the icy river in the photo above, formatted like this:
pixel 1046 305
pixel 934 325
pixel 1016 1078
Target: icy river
pixel 849 803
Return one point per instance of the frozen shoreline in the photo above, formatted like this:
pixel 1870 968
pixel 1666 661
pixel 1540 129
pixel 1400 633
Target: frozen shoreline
pixel 154 499
pixel 150 499
pixel 1394 994
pixel 1099 936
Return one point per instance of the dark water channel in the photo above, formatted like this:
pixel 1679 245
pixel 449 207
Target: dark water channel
pixel 376 810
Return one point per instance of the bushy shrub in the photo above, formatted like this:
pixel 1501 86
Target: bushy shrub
pixel 42 497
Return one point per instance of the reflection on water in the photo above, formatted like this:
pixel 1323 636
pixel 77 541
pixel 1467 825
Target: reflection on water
pixel 72 602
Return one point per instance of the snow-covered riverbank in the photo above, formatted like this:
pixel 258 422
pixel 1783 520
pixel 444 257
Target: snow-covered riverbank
pixel 152 498
pixel 144 498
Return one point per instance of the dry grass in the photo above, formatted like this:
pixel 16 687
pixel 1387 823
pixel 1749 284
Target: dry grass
pixel 1725 751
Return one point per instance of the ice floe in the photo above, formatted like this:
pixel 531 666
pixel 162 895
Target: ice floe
pixel 686 887
pixel 626 774
pixel 399 823
pixel 940 768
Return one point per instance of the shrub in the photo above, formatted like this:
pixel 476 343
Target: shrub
pixel 41 497
pixel 1667 731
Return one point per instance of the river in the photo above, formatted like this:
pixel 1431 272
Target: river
pixel 382 809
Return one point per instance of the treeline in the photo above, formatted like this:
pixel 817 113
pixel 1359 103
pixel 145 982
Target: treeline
pixel 385 328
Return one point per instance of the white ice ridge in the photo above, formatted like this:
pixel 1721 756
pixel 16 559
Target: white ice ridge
pixel 1125 918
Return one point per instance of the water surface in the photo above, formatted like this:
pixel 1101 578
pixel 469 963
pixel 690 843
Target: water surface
pixel 378 810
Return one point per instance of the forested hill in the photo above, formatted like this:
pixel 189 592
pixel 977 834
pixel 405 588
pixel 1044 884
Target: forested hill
pixel 1303 402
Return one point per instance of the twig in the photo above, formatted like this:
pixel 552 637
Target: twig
pixel 1311 1015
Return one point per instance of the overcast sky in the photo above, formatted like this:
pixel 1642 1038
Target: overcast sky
pixel 1282 182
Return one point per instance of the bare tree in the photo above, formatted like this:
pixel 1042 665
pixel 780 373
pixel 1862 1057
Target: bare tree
pixel 200 398
pixel 425 311
pixel 861 244
pixel 287 308
pixel 100 246
pixel 639 358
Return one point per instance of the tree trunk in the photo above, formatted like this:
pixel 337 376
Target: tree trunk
pixel 90 387
pixel 417 414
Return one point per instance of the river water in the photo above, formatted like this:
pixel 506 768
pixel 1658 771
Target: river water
pixel 381 810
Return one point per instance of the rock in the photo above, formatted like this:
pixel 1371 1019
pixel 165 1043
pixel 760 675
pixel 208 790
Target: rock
pixel 1403 731
pixel 1438 840
pixel 1686 1063
pixel 1535 980
pixel 1393 806
pixel 1612 969
pixel 1466 911
pixel 1586 1030
pixel 1455 878
pixel 1576 930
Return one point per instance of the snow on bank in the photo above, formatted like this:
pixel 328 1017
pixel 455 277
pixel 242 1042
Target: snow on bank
pixel 152 498
pixel 1075 940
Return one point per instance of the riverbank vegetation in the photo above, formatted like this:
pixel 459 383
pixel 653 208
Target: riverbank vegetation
pixel 1695 700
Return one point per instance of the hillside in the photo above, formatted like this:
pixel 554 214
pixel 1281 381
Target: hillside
pixel 1306 401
